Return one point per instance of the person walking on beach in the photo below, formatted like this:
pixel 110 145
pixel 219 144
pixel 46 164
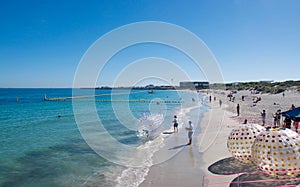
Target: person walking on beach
pixel 190 132
pixel 220 102
pixel 279 117
pixel 238 109
pixel 263 117
pixel 175 123
pixel 276 117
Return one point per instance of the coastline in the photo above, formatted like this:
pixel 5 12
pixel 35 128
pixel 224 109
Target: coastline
pixel 190 166
pixel 208 161
pixel 183 168
pixel 170 145
pixel 216 124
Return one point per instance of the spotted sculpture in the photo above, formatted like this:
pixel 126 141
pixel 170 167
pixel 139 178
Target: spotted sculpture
pixel 277 152
pixel 241 139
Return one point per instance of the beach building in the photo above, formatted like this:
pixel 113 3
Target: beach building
pixel 194 84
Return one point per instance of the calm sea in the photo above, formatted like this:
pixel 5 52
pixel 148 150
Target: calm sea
pixel 38 148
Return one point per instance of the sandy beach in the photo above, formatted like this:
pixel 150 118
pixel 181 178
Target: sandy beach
pixel 207 162
pixel 182 169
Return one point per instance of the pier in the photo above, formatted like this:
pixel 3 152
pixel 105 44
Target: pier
pixel 82 99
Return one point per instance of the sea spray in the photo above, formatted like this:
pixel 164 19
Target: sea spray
pixel 134 176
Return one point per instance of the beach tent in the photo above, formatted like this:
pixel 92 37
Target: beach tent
pixel 293 114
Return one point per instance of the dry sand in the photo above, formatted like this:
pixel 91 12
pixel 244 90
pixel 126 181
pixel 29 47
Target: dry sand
pixel 183 168
pixel 208 161
pixel 251 111
pixel 189 166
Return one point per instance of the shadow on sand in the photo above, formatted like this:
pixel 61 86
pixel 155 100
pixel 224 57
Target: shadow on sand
pixel 168 132
pixel 231 165
pixel 178 147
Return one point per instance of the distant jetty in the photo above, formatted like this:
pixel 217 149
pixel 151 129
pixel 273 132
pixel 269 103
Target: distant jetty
pixel 54 99
pixel 136 88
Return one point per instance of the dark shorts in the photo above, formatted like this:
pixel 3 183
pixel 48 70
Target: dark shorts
pixel 175 124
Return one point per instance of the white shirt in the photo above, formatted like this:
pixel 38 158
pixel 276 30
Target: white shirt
pixel 190 128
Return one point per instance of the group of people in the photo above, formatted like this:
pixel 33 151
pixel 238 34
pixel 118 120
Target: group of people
pixel 189 129
pixel 287 122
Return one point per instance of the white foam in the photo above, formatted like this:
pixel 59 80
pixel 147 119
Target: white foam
pixel 133 176
pixel 148 124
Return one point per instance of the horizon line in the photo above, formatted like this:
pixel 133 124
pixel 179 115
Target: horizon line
pixel 271 81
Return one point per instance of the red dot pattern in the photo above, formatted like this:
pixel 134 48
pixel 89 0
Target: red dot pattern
pixel 277 152
pixel 241 139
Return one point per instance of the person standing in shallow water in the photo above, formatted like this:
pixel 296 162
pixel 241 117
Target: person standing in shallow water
pixel 238 109
pixel 175 125
pixel 190 132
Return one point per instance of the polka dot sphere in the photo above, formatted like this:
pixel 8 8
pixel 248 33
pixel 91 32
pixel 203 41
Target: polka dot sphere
pixel 241 139
pixel 277 152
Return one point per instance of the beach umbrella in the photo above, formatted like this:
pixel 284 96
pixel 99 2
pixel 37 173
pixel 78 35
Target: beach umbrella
pixel 240 140
pixel 277 152
pixel 293 114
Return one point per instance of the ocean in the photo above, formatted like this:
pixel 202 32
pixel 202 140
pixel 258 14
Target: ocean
pixel 48 143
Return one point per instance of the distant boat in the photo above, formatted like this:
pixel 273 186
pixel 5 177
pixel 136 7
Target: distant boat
pixel 151 92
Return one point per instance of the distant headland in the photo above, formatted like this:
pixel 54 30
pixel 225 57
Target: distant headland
pixel 259 86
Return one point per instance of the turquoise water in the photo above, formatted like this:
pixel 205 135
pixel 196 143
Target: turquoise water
pixel 38 148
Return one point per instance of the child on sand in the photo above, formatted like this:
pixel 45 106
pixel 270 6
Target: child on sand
pixel 175 125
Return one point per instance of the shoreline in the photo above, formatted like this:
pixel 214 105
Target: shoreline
pixel 185 162
pixel 208 160
pixel 168 149
pixel 190 165
pixel 216 123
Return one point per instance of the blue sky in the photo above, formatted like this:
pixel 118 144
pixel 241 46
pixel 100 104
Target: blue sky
pixel 42 42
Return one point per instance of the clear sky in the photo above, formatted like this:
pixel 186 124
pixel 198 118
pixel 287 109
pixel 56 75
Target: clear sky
pixel 42 42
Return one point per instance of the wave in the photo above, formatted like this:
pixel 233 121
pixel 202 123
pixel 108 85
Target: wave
pixel 134 176
pixel 149 125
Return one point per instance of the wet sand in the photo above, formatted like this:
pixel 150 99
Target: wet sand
pixel 182 165
pixel 190 164
pixel 207 161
